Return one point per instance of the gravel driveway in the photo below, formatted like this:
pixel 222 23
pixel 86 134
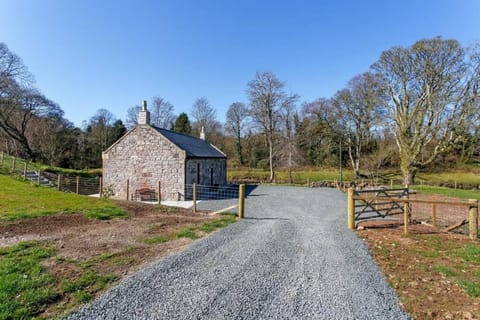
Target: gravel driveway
pixel 291 258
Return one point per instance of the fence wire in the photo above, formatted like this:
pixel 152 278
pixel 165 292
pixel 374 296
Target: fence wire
pixel 62 182
pixel 204 192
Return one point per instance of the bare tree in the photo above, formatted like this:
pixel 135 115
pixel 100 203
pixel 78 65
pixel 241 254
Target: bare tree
pixel 267 97
pixel 161 113
pixel 360 110
pixel 17 109
pixel 288 151
pixel 431 90
pixel 131 118
pixel 235 123
pixel 204 115
pixel 20 102
pixel 12 70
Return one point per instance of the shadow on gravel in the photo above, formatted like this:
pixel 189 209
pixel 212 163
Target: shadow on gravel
pixel 251 218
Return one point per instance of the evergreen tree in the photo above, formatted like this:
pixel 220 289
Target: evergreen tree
pixel 182 124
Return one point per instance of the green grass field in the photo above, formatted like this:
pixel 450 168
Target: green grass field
pixel 299 176
pixel 449 192
pixel 20 199
pixel 467 177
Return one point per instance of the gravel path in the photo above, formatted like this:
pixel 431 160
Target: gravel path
pixel 291 258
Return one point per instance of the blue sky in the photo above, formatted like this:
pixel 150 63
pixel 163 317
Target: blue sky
pixel 90 54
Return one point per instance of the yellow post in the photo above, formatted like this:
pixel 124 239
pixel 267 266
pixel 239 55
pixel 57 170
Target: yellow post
pixel 391 184
pixel 78 184
pixel 350 209
pixel 434 214
pixel 194 190
pixel 241 201
pixel 159 192
pixel 405 217
pixel 59 181
pixel 128 189
pixel 473 219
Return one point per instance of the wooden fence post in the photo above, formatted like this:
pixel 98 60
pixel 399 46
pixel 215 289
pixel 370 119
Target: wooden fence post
pixel 128 188
pixel 100 187
pixel 405 217
pixel 391 183
pixel 350 209
pixel 473 219
pixel 194 191
pixel 13 164
pixel 38 176
pixel 434 214
pixel 241 201
pixel 59 181
pixel 159 187
pixel 78 184
pixel 1 159
pixel 25 170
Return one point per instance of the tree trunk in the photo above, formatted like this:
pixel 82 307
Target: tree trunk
pixel 270 148
pixel 408 175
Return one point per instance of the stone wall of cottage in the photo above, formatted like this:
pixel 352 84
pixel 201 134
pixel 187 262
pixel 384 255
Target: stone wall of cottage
pixel 144 157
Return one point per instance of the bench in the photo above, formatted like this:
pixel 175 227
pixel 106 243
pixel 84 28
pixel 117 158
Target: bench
pixel 144 194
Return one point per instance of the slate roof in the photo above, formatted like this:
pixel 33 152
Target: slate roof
pixel 194 147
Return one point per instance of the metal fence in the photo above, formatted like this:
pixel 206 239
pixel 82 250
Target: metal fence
pixel 63 182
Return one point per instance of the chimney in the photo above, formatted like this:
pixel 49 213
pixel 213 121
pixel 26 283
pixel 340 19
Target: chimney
pixel 144 114
pixel 202 133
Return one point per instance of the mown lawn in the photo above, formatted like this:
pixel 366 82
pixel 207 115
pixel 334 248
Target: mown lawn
pixel 20 199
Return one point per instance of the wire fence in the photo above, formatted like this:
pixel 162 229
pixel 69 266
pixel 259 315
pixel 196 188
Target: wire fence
pixel 356 183
pixel 63 182
pixel 205 192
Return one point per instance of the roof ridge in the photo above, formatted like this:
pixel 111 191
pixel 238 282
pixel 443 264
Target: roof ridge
pixel 179 133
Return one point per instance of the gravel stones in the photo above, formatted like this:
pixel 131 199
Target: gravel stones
pixel 291 258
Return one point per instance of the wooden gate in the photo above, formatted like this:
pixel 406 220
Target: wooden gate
pixel 372 204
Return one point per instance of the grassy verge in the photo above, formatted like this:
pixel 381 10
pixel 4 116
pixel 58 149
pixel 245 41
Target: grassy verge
pixel 458 193
pixel 19 199
pixel 299 176
pixel 456 260
pixel 436 276
pixel 193 232
pixel 6 164
pixel 27 289
pixel 36 282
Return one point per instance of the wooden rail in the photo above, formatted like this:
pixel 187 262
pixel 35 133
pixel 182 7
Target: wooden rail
pixel 472 205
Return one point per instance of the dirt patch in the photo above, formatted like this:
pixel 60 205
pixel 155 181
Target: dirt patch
pixel 114 247
pixel 426 270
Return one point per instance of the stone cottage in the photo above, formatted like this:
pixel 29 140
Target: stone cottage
pixel 146 155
